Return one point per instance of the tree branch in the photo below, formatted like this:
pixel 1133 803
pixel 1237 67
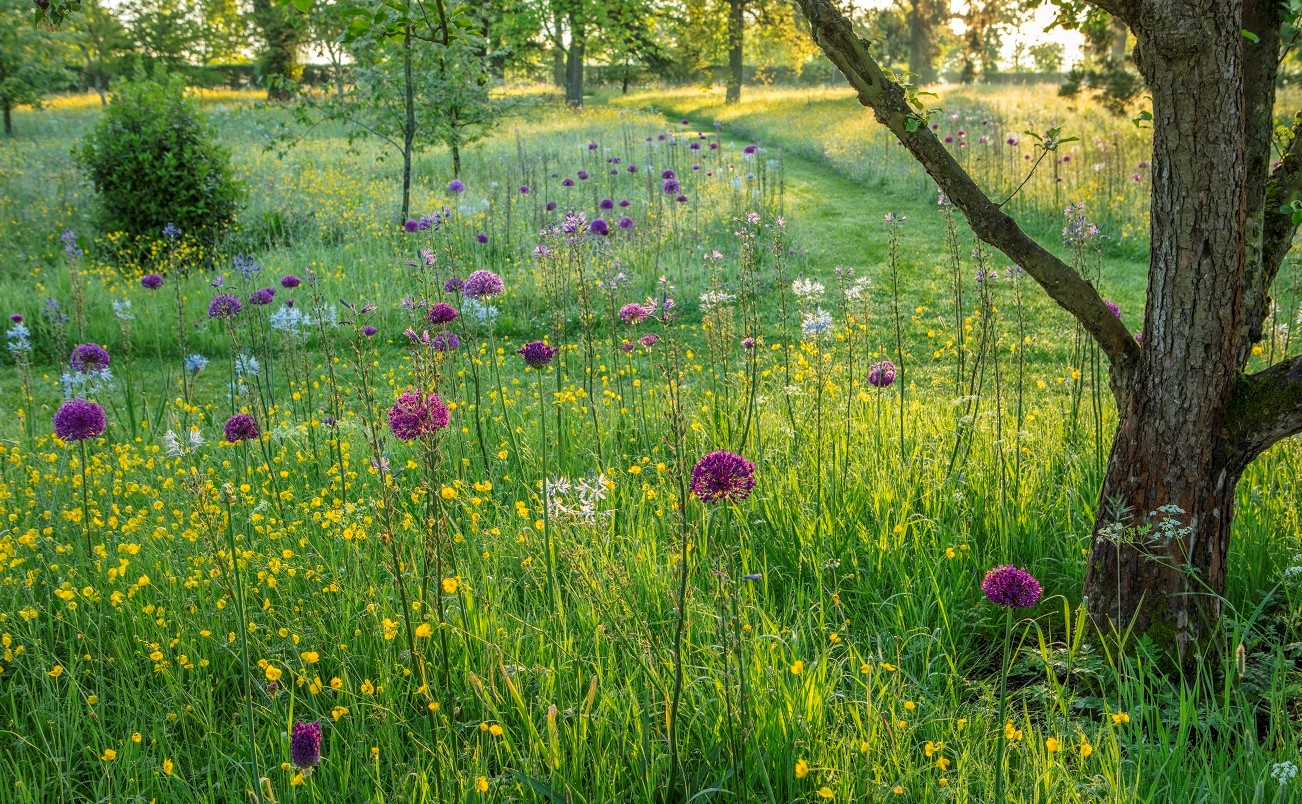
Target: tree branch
pixel 1267 407
pixel 833 33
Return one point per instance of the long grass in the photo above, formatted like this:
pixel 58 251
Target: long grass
pixel 856 660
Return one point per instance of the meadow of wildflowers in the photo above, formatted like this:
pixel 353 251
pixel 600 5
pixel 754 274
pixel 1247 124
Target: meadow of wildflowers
pixel 646 463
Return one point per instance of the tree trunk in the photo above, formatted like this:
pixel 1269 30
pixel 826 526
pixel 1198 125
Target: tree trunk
pixel 9 122
pixel 736 27
pixel 1120 35
pixel 409 124
pixel 1190 418
pixel 920 42
pixel 574 63
pixel 1169 448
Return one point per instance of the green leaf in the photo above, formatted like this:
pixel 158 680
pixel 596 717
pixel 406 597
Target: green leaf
pixel 1250 36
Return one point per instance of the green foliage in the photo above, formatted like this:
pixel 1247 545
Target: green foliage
pixel 30 63
pixel 154 160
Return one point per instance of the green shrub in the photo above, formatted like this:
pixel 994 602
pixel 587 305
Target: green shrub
pixel 154 160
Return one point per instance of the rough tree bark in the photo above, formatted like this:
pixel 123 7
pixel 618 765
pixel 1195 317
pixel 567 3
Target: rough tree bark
pixel 1190 419
pixel 736 29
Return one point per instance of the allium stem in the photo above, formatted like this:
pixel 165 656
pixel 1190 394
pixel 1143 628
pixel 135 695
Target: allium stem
pixel 85 500
pixel 1003 702
pixel 244 633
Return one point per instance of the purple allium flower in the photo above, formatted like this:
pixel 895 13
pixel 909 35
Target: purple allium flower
pixel 670 186
pixel 524 189
pixel 289 282
pixel 262 296
pixel 624 202
pixel 444 341
pixel 416 415
pixel 482 283
pixel 481 237
pixel 456 186
pixel 1011 587
pixel 224 305
pixel 1114 307
pixel 453 284
pixel 881 373
pixel 592 146
pixel 632 168
pixel 369 330
pixel 635 313
pixel 441 313
pixel 1139 337
pixel 648 340
pixel 305 744
pixel 411 226
pixel 607 203
pixel 599 226
pixel 240 427
pixel 627 346
pixel 151 281
pixel 89 358
pixel 536 354
pixel 722 477
pixel 682 199
pixel 748 343
pixel 551 206
pixel 625 223
pixel 79 419
pixel 583 175
pixel 567 182
pixel 750 149
pixel 17 318
pixel 668 174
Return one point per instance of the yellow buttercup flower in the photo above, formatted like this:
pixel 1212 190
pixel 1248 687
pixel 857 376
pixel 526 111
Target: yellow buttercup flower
pixel 802 768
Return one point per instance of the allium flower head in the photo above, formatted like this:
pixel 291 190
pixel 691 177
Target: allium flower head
pixel 262 296
pixel 89 358
pixel 1012 587
pixel 881 373
pixel 722 477
pixel 648 340
pixel 536 354
pixel 289 282
pixel 417 415
pixel 456 186
pixel 224 305
pixel 625 222
pixel 305 744
pixel 151 281
pixel 240 427
pixel 482 283
pixel 599 226
pixel 445 341
pixel 441 313
pixel 79 419
pixel 1114 307
pixel 635 313
pixel 453 284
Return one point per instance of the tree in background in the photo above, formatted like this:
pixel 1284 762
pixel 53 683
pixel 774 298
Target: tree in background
pixel 31 60
pixel 1046 57
pixel 927 19
pixel 1105 72
pixel 415 79
pixel 1224 212
pixel 984 24
pixel 165 32
pixel 223 31
pixel 284 32
pixel 103 42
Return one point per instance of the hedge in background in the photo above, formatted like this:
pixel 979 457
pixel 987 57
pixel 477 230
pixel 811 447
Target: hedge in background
pixel 154 161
